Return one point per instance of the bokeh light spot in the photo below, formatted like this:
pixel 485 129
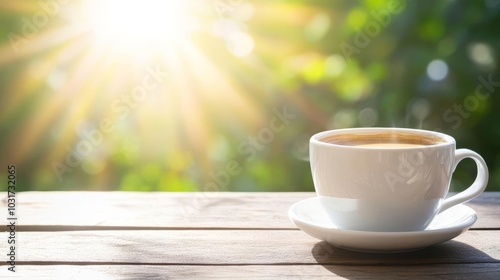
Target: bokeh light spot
pixel 437 70
pixel 357 18
pixel 317 27
pixel 344 119
pixel 240 44
pixel 483 55
pixel 420 109
pixel 56 79
pixel 368 117
pixel 334 65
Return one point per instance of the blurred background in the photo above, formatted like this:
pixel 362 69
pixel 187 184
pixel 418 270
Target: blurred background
pixel 223 95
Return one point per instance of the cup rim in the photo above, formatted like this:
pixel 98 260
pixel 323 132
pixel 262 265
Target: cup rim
pixel 315 139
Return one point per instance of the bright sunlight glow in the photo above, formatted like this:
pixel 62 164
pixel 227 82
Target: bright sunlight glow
pixel 139 25
pixel 91 65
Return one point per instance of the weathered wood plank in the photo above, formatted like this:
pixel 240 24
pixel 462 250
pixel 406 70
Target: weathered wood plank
pixel 128 210
pixel 487 207
pixel 233 247
pixel 485 271
pixel 156 210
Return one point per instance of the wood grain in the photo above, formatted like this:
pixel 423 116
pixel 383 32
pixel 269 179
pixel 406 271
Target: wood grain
pixel 156 210
pixel 117 235
pixel 485 271
pixel 487 206
pixel 235 247
pixel 219 210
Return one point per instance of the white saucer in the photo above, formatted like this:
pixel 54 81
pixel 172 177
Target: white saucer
pixel 309 216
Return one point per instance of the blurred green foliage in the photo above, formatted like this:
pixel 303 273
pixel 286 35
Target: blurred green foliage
pixel 330 64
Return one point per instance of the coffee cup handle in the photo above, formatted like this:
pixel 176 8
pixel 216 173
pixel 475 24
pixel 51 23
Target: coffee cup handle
pixel 477 187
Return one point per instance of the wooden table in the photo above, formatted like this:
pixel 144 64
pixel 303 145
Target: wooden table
pixel 129 235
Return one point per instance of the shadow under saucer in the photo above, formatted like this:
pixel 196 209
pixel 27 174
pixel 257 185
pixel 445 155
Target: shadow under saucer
pixel 451 258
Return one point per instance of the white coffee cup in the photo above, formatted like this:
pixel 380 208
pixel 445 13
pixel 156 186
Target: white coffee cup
pixel 388 179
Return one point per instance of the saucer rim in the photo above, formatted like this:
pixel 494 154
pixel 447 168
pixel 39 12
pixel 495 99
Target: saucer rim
pixel 465 225
pixel 383 242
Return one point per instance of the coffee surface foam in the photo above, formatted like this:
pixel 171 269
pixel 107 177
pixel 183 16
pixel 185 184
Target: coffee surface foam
pixel 392 139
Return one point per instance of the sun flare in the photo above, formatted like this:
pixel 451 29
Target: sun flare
pixel 134 25
pixel 90 61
